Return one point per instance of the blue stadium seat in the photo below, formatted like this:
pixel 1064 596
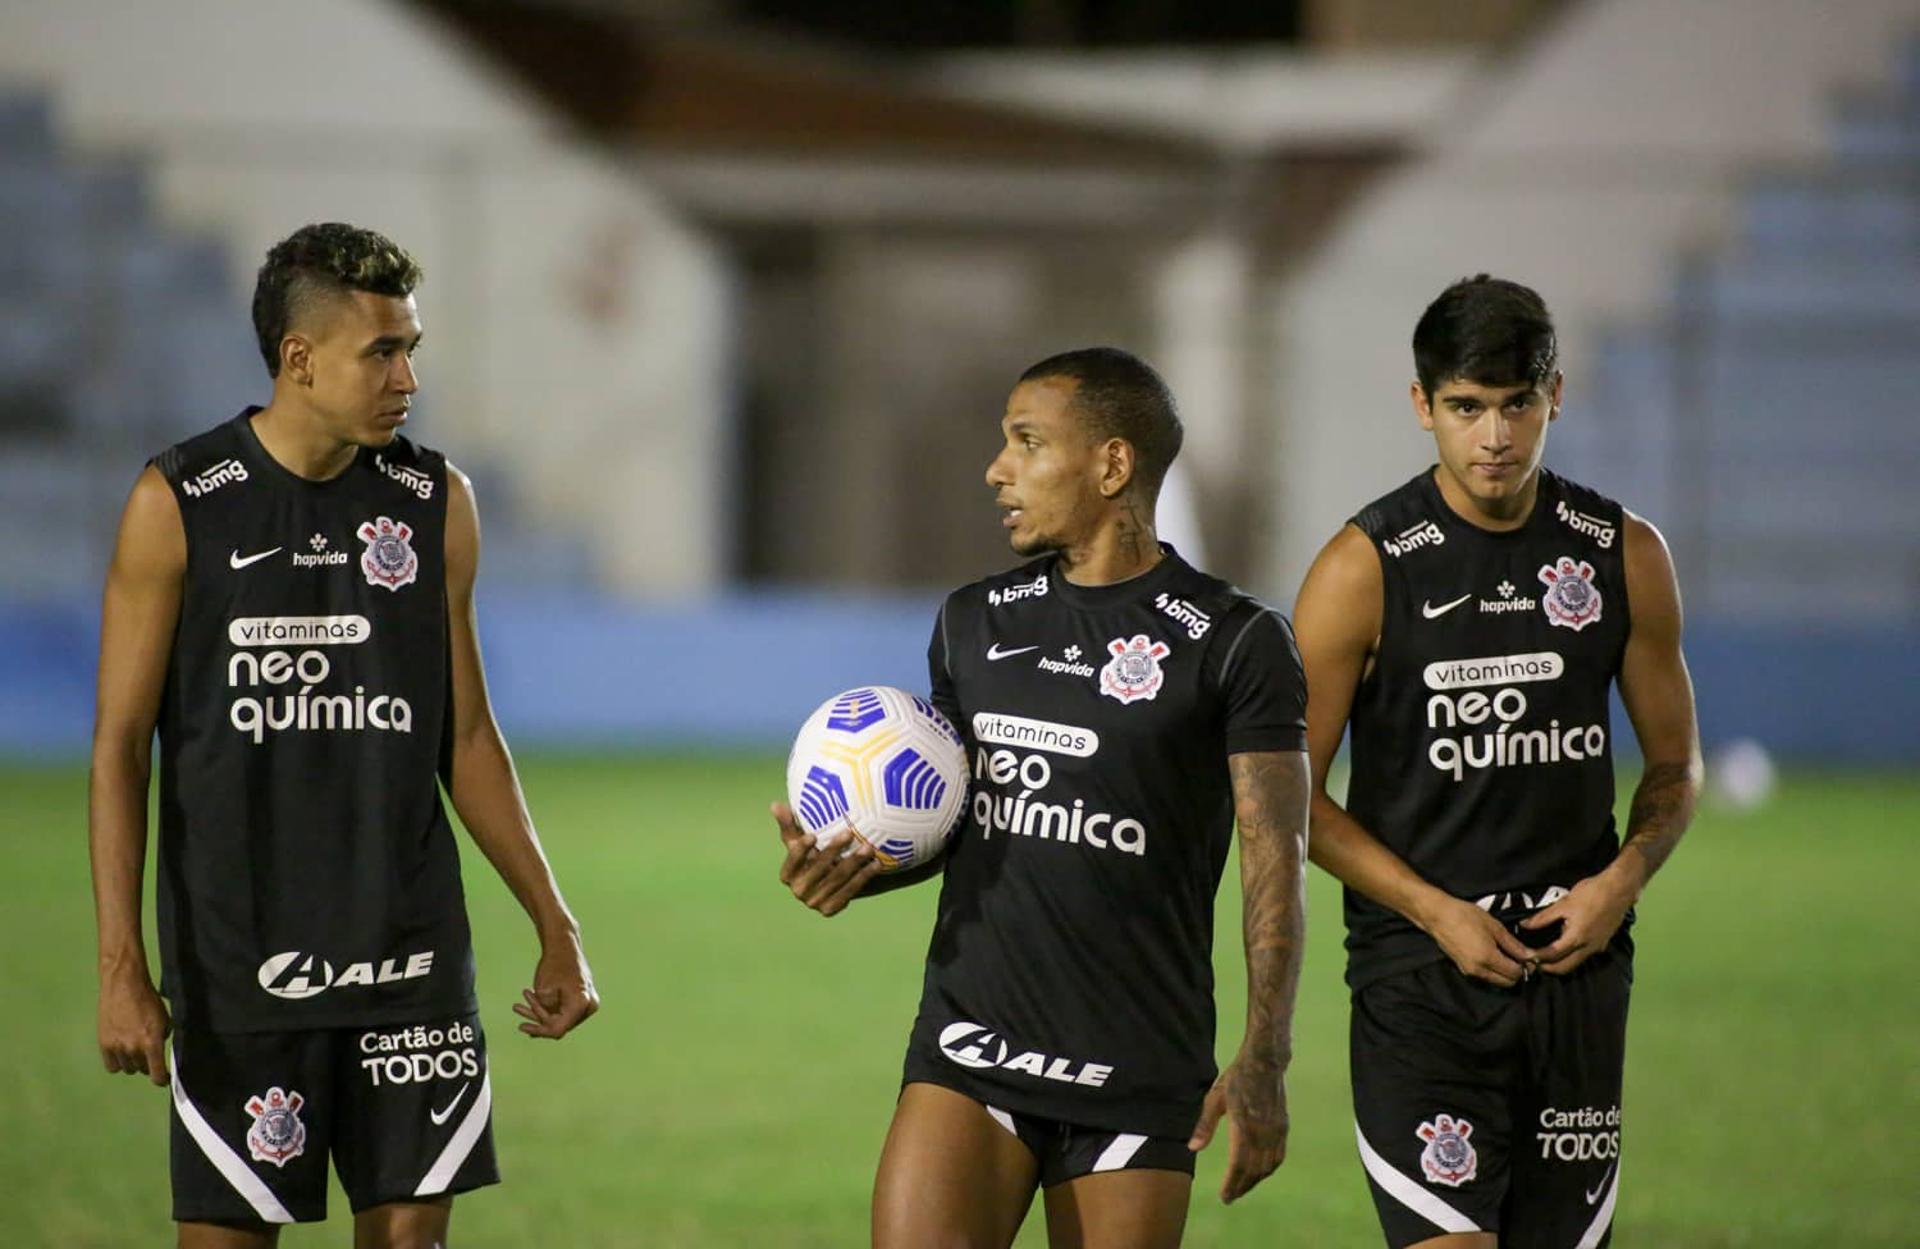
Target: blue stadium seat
pixel 1879 132
pixel 1768 418
pixel 26 124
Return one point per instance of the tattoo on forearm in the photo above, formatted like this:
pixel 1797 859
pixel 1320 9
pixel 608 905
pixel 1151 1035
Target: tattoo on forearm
pixel 1662 808
pixel 1270 795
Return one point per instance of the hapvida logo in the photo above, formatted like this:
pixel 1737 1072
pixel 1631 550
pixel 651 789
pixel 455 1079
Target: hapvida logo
pixel 321 557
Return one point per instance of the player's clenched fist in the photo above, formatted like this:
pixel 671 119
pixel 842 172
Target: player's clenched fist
pixel 133 1028
pixel 825 879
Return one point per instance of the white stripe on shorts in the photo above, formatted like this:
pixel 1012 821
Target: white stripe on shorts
pixel 221 1155
pixel 1120 1153
pixel 441 1173
pixel 1004 1119
pixel 1410 1194
pixel 1604 1216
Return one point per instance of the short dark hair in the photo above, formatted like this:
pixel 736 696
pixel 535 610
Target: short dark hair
pixel 1119 395
pixel 319 262
pixel 1487 330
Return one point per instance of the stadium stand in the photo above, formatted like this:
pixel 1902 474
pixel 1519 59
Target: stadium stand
pixel 118 336
pixel 1768 413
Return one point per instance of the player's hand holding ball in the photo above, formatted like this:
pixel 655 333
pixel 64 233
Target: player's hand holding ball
pixel 825 877
pixel 875 782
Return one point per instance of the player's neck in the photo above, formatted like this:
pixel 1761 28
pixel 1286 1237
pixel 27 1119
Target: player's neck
pixel 298 444
pixel 1119 550
pixel 1499 515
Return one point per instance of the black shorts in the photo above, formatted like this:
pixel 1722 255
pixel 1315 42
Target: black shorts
pixel 1065 1151
pixel 1493 1110
pixel 405 1111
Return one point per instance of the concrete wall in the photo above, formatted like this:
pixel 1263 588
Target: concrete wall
pixel 1581 164
pixel 575 328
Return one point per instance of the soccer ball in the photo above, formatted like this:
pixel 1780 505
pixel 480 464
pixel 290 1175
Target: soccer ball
pixel 1740 775
pixel 883 765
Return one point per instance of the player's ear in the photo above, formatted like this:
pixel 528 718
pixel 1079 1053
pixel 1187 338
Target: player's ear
pixel 1117 467
pixel 296 360
pixel 1553 399
pixel 1422 405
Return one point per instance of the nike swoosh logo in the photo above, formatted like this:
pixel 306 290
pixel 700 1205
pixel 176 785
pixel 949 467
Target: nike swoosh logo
pixel 994 651
pixel 1430 611
pixel 441 1116
pixel 236 561
pixel 1602 1186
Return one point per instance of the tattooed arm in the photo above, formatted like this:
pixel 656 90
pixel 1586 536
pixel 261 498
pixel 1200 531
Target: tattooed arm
pixel 1658 695
pixel 1270 804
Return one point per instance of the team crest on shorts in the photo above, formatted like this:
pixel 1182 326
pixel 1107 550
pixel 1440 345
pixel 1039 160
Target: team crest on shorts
pixel 1448 1158
pixel 388 560
pixel 1571 599
pixel 277 1133
pixel 1134 671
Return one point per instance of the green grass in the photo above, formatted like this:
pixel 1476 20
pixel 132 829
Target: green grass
pixel 735 1089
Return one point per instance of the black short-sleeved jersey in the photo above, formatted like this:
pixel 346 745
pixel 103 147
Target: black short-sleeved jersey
pixel 1482 742
pixel 308 877
pixel 1070 973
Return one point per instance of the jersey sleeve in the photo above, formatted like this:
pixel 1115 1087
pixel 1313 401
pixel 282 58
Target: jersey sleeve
pixel 1265 686
pixel 940 670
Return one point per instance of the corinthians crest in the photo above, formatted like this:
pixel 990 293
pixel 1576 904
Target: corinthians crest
pixel 1448 1158
pixel 277 1133
pixel 388 560
pixel 1134 671
pixel 1571 599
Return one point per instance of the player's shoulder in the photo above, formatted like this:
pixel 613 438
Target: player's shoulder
pixel 1024 584
pixel 1228 619
pixel 1217 596
pixel 1583 511
pixel 416 468
pixel 1402 511
pixel 404 450
pixel 204 463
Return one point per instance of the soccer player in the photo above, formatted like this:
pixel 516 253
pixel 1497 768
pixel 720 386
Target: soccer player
pixel 1121 710
pixel 290 603
pixel 1468 627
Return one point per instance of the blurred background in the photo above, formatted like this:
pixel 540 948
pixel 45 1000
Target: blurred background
pixel 724 298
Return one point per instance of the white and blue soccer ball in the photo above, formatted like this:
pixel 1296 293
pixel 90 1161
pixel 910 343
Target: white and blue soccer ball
pixel 883 765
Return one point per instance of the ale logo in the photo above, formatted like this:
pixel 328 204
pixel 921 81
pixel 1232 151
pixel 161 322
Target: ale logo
pixel 972 1045
pixel 295 975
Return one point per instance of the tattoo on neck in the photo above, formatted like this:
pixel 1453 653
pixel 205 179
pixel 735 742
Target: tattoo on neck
pixel 1135 532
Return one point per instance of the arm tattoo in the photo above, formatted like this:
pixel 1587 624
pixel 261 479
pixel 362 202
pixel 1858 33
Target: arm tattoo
pixel 1270 801
pixel 1662 808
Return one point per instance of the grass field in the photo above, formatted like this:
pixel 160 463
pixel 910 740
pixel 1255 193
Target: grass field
pixel 735 1089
